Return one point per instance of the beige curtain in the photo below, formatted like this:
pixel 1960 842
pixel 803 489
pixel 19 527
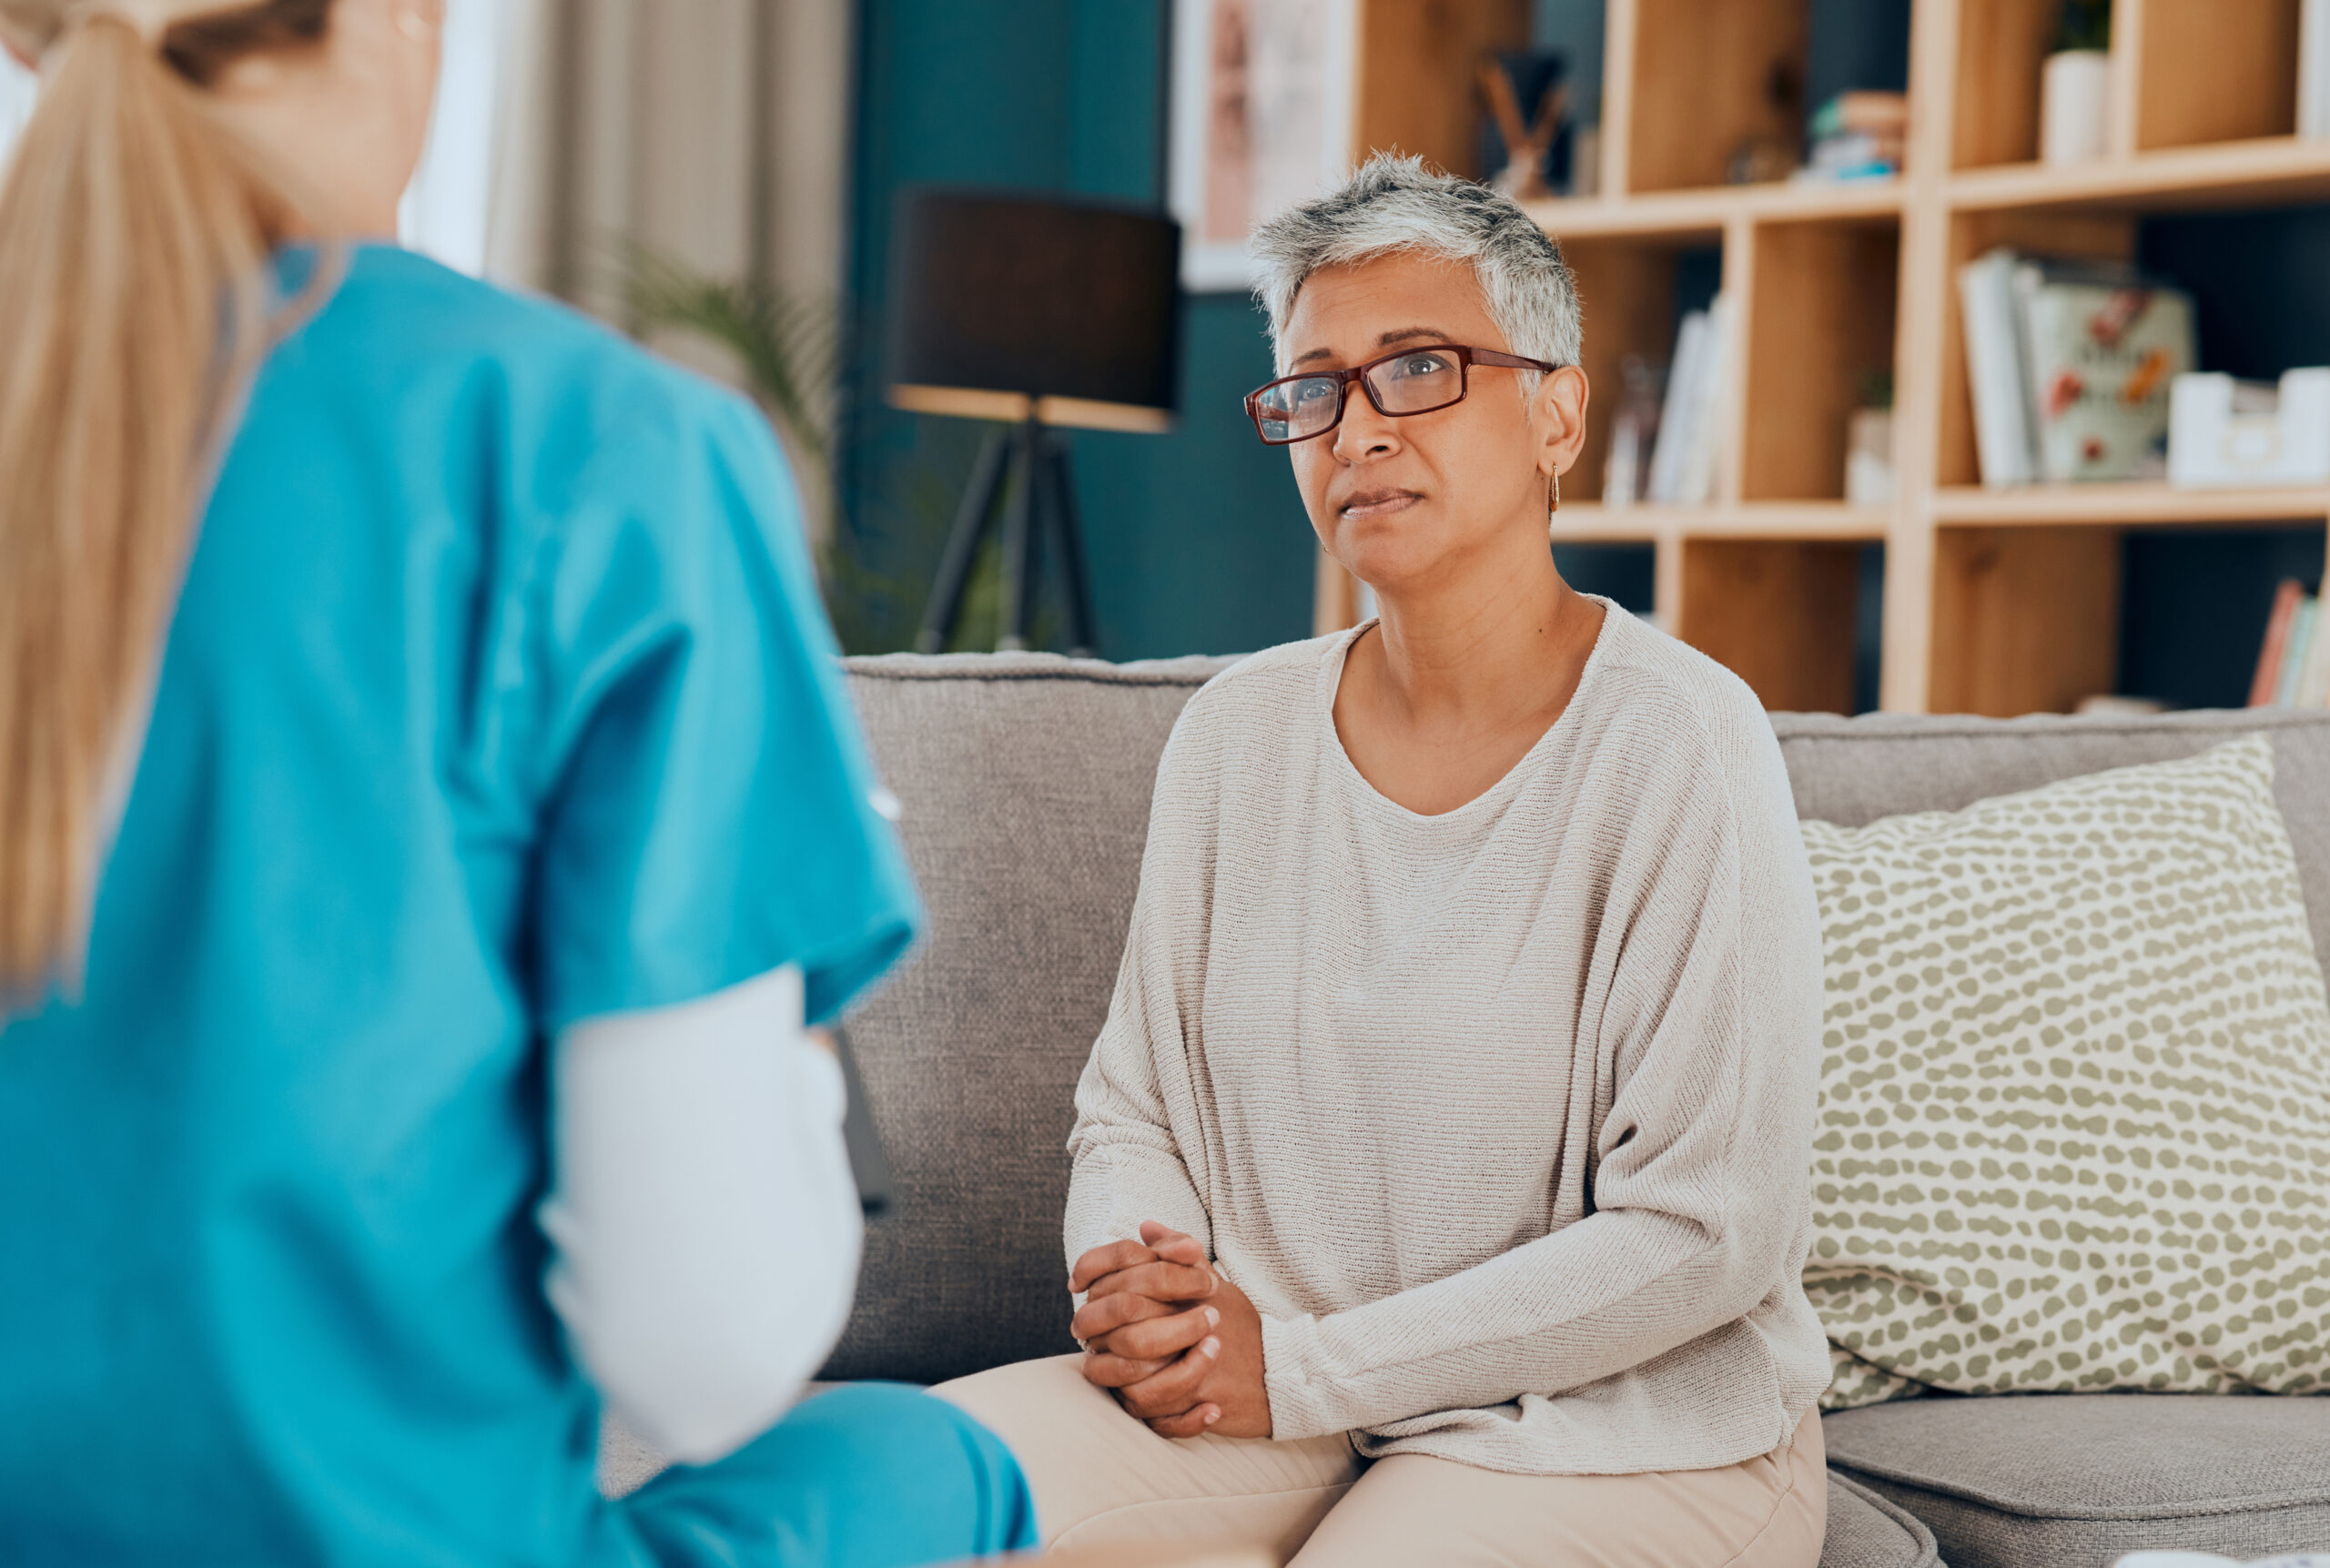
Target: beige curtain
pixel 713 131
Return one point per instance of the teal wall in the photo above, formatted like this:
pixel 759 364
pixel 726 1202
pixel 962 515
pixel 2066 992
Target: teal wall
pixel 1196 540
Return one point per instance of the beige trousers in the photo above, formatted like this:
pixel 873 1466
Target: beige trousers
pixel 1103 1482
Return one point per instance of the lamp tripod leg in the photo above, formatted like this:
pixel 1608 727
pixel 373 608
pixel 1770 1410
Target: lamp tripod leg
pixel 1068 544
pixel 1019 542
pixel 946 604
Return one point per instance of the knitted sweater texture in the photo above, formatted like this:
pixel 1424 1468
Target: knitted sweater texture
pixel 1502 1118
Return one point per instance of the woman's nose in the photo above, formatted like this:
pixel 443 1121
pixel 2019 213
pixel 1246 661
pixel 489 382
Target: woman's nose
pixel 1364 433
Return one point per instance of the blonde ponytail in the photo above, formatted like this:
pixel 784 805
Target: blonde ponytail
pixel 133 238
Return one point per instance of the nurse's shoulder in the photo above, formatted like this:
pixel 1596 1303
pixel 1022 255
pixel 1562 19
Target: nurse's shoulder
pixel 425 345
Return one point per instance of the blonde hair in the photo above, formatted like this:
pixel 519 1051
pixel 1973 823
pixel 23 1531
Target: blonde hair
pixel 134 233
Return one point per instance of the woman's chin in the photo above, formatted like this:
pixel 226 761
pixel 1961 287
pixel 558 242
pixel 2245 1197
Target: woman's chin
pixel 1388 568
pixel 1383 556
pixel 1399 554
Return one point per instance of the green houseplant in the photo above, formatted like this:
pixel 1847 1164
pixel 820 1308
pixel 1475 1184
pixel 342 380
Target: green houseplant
pixel 786 346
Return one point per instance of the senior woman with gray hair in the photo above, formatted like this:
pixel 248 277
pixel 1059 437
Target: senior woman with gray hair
pixel 1439 1181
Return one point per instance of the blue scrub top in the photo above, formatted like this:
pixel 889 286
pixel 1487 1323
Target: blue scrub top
pixel 499 697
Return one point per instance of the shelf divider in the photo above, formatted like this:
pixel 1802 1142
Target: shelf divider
pixel 2253 173
pixel 2121 504
pixel 1590 522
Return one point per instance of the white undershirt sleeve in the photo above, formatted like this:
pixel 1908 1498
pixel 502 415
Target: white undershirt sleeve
pixel 704 1225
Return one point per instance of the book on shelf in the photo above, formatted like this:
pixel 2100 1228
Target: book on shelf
pixel 1697 485
pixel 1994 369
pixel 1634 430
pixel 1850 156
pixel 1858 135
pixel 2070 363
pixel 1683 461
pixel 2286 599
pixel 1675 413
pixel 2294 658
pixel 1862 109
pixel 2312 687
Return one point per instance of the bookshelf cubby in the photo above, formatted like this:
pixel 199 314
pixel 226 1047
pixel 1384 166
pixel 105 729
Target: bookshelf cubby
pixel 1632 278
pixel 1995 601
pixel 1821 302
pixel 2209 71
pixel 1780 613
pixel 2169 651
pixel 1686 81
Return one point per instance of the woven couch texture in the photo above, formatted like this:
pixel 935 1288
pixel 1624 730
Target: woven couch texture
pixel 1867 1531
pixel 1023 782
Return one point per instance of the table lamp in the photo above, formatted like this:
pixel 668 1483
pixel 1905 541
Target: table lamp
pixel 1039 311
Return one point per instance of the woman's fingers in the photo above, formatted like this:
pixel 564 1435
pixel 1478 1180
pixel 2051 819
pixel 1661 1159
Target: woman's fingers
pixel 1194 1422
pixel 1110 1371
pixel 1164 1281
pixel 1158 1241
pixel 1105 1315
pixel 1176 1388
pixel 1158 1339
pixel 1173 1245
pixel 1101 1261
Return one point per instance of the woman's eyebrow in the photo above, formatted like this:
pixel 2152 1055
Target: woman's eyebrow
pixel 1385 341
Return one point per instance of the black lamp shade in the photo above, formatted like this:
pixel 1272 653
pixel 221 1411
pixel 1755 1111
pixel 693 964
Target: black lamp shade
pixel 1069 310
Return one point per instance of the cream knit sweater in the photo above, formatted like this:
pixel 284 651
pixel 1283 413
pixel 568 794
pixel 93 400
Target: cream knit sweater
pixel 1502 1118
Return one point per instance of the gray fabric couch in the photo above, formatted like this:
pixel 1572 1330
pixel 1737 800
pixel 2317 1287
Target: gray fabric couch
pixel 1025 783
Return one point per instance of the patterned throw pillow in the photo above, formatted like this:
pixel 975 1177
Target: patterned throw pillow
pixel 2075 1093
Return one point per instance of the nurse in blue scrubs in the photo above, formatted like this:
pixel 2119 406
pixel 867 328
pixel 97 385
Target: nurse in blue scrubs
pixel 429 821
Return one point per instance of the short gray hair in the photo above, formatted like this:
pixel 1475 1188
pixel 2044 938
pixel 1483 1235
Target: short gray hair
pixel 1396 204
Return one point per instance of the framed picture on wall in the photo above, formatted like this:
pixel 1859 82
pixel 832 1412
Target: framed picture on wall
pixel 1261 117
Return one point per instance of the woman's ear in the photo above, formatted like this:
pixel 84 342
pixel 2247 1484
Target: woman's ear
pixel 1557 414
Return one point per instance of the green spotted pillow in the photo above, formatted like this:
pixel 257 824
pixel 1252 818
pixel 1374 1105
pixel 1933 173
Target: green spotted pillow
pixel 2074 1124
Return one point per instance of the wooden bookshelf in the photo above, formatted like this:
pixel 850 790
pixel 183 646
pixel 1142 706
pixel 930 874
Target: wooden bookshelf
pixel 2124 505
pixel 1995 601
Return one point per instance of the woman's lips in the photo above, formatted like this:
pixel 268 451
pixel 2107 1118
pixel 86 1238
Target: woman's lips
pixel 1381 504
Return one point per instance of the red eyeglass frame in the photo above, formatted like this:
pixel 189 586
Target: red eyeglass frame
pixel 1467 357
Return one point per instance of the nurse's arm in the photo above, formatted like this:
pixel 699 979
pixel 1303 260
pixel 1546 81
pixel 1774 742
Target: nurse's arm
pixel 704 1220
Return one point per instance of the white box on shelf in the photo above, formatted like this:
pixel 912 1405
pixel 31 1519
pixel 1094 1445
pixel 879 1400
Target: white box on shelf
pixel 2226 432
pixel 2074 106
pixel 1869 457
pixel 2314 68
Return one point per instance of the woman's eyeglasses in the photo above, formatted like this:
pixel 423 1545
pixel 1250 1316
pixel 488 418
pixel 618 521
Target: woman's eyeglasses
pixel 1411 382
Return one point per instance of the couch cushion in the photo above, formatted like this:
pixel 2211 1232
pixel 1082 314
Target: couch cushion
pixel 2077 1053
pixel 1865 1530
pixel 1024 783
pixel 1851 772
pixel 2077 1479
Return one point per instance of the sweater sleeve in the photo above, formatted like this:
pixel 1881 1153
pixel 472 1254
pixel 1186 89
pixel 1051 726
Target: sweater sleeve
pixel 1129 1163
pixel 1708 961
pixel 704 1226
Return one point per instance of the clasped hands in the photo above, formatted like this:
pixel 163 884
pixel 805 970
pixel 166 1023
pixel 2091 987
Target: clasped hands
pixel 1178 1344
